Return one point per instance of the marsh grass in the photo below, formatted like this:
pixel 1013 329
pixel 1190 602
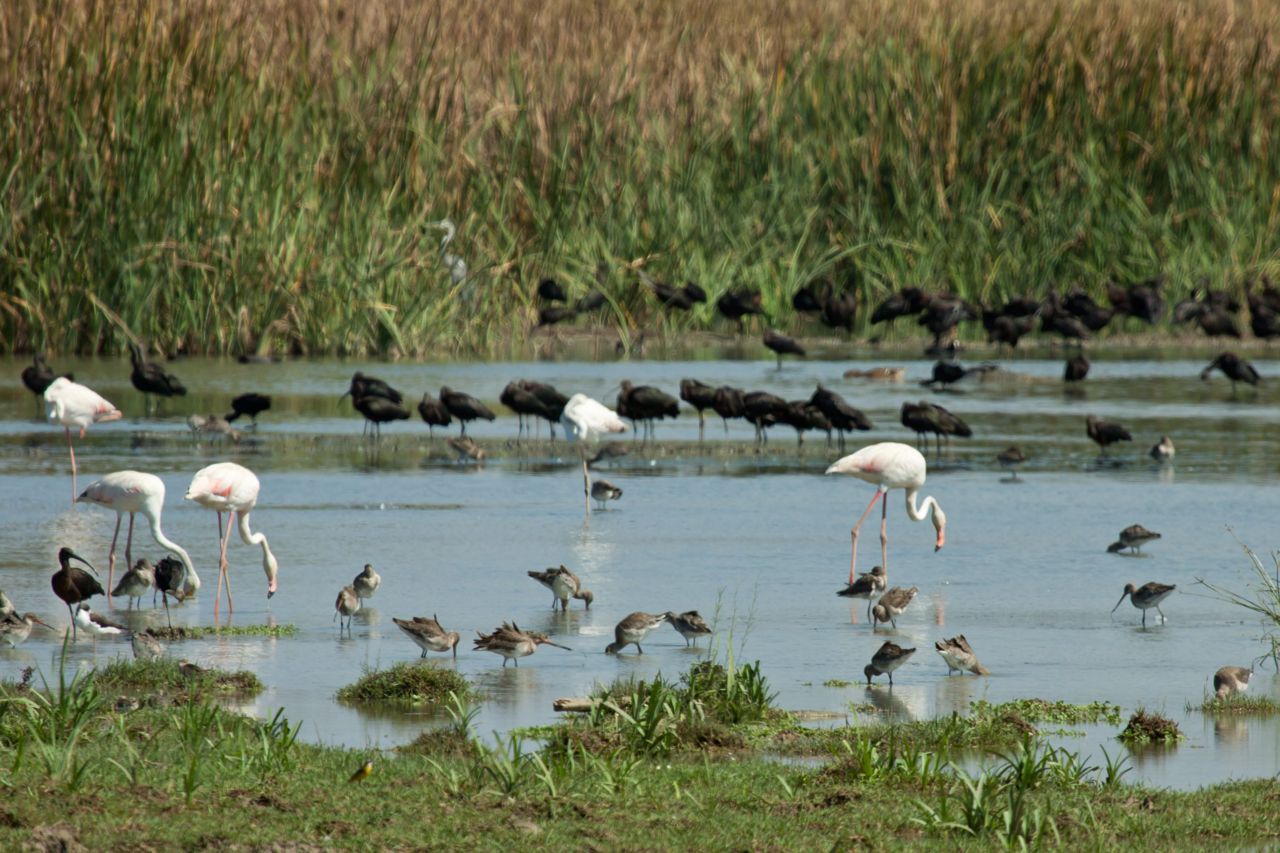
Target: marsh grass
pixel 1146 727
pixel 418 683
pixel 1046 711
pixel 233 177
pixel 1262 599
pixel 196 632
pixel 164 675
pixel 1238 705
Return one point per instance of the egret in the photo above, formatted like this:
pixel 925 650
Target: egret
pixel 890 465
pixel 231 488
pixel 135 492
pixel 455 265
pixel 72 404
pixel 587 419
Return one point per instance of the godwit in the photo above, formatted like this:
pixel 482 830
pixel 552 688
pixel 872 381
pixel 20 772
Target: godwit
pixel 73 405
pixel 1147 596
pixel 512 643
pixel 467 449
pixel 1010 459
pixel 366 583
pixel 689 625
pixel 1227 681
pixel 346 606
pixel 213 425
pixel 564 585
pixel 866 586
pixel 891 605
pixel 15 629
pixel 1163 450
pixel 6 606
pixel 878 374
pixel 887 658
pixel 145 645
pixel 887 466
pixel 428 634
pixel 1132 537
pixel 1105 432
pixel 73 584
pixel 135 582
pixel 633 629
pixel 959 656
pixel 603 491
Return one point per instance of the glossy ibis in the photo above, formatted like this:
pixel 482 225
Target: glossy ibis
pixel 762 410
pixel 1105 433
pixel 948 372
pixel 135 492
pixel 152 379
pixel 370 386
pixel 782 345
pixel 250 405
pixel 73 405
pixel 643 404
pixel 700 396
pixel 171 579
pixel 1010 458
pixel 1234 368
pixel 233 489
pixel 464 407
pixel 1076 369
pixel 433 413
pixel 549 290
pixel 735 305
pixel 904 303
pixel 631 630
pixel 551 314
pixel 378 411
pixel 73 584
pixel 38 376
pixel 728 403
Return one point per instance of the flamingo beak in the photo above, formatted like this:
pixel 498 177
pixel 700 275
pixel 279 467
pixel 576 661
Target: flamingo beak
pixel 942 539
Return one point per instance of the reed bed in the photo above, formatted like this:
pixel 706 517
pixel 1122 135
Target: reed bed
pixel 229 177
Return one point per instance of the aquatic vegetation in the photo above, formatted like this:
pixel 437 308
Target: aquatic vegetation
pixel 165 675
pixel 414 683
pixel 196 632
pixel 1238 704
pixel 1263 598
pixel 1045 711
pixel 1147 727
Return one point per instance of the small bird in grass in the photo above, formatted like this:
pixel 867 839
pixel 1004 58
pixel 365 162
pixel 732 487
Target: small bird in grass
pixel 467 449
pixel 366 583
pixel 145 645
pixel 428 634
pixel 1132 537
pixel 603 491
pixel 1145 597
pixel 190 670
pixel 689 625
pixel 1230 680
pixel 1010 459
pixel 891 605
pixel 362 772
pixel 346 606
pixel 15 629
pixel 1163 450
pixel 633 629
pixel 887 658
pixel 959 656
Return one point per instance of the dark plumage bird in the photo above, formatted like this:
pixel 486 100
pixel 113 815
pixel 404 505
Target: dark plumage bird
pixel 782 345
pixel 1057 321
pixel 949 372
pixel 645 404
pixel 1145 597
pixel 805 300
pixel 1006 329
pixel 150 378
pixel 171 579
pixel 839 309
pixel 553 314
pixel 1105 432
pixel 763 410
pixel 1142 300
pixel 1077 368
pixel 681 298
pixel 433 413
pixel 700 396
pixel 942 315
pixel 370 386
pixel 728 403
pixel 904 303
pixel 553 401
pixel 1132 537
pixel 38 375
pixel 802 415
pixel 887 658
pixel 1010 458
pixel 250 405
pixel 1264 310
pixel 1218 323
pixel 590 301
pixel 1234 368
pixel 523 403
pixel 73 584
pixel 1081 306
pixel 549 290
pixel 735 305
pixel 925 417
pixel 378 411
pixel 464 407
pixel 843 417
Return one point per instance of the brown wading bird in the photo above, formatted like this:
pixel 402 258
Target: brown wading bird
pixel 249 404
pixel 689 625
pixel 378 411
pixel 464 407
pixel 782 345
pixel 366 583
pixel 1145 597
pixel 346 606
pixel 512 643
pixel 892 604
pixel 428 634
pixel 603 491
pixel 1234 368
pixel 701 397
pixel 1076 369
pixel 564 585
pixel 643 404
pixel 1132 537
pixel 74 585
pixel 1010 459
pixel 467 449
pixel 959 656
pixel 1163 451
pixel 887 658
pixel 866 586
pixel 1227 681
pixel 1105 433
pixel 633 629
pixel 15 629
pixel 151 378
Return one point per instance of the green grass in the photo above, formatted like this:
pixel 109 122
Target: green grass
pixel 421 683
pixel 1240 705
pixel 164 675
pixel 1045 711
pixel 213 178
pixel 1145 727
pixel 196 632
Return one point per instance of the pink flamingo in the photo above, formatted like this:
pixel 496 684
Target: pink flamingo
pixel 231 488
pixel 72 404
pixel 890 465
pixel 134 492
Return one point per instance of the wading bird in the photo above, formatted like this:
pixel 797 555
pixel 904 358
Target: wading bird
pixel 1105 433
pixel 453 264
pixel 135 582
pixel 433 413
pixel 603 491
pixel 1234 368
pixel 512 643
pixel 38 376
pixel 1145 597
pixel 959 656
pixel 151 379
pixel 428 634
pixel 73 405
pixel 249 404
pixel 782 345
pixel 890 465
pixel 346 605
pixel 145 645
pixel 135 492
pixel 1132 537
pixel 564 585
pixel 1163 450
pixel 867 586
pixel 633 629
pixel 1227 681
pixel 97 624
pixel 231 488
pixel 464 407
pixel 171 579
pixel 585 419
pixel 73 584
pixel 15 629
pixel 701 397
pixel 689 625
pixel 367 582
pixel 1010 458
pixel 887 658
pixel 892 605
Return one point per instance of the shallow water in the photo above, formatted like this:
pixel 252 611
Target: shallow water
pixel 759 540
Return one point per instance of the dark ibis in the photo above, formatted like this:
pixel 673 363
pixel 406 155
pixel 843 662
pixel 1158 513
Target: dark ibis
pixel 843 417
pixel 782 345
pixel 378 411
pixel 370 386
pixel 464 407
pixel 433 413
pixel 73 584
pixel 700 396
pixel 151 379
pixel 1105 433
pixel 1234 368
pixel 250 405
pixel 643 404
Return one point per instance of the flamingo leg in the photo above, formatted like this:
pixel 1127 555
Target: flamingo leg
pixel 128 555
pixel 222 563
pixel 853 559
pixel 884 533
pixel 226 567
pixel 72 451
pixel 586 485
pixel 111 558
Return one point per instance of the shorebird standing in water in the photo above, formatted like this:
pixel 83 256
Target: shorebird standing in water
pixel 366 583
pixel 346 606
pixel 689 625
pixel 135 582
pixel 512 643
pixel 866 586
pixel 891 605
pixel 1164 450
pixel 959 656
pixel 1227 681
pixel 603 491
pixel 428 634
pixel 633 629
pixel 15 629
pixel 1132 537
pixel 1010 459
pixel 1145 597
pixel 564 585
pixel 887 658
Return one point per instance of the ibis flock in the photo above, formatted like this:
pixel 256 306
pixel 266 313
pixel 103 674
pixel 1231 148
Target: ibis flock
pixel 230 489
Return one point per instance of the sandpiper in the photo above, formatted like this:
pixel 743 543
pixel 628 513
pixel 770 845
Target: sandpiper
pixel 891 605
pixel 1147 596
pixel 366 583
pixel 346 605
pixel 467 449
pixel 6 606
pixel 690 625
pixel 1009 459
pixel 15 629
pixel 1163 450
pixel 564 585
pixel 959 656
pixel 866 586
pixel 96 623
pixel 428 634
pixel 889 657
pixel 145 645
pixel 135 582
pixel 603 491
pixel 1132 537
pixel 512 643
pixel 633 629
pixel 1231 680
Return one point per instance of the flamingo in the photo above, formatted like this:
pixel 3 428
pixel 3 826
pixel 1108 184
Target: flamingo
pixel 890 465
pixel 231 488
pixel 72 404
pixel 133 492
pixel 588 419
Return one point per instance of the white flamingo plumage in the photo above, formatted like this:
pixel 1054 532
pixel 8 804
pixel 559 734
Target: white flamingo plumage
pixel 231 488
pixel 71 404
pixel 890 465
pixel 586 420
pixel 133 492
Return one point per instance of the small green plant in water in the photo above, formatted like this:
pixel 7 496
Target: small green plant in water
pixel 418 683
pixel 1145 727
pixel 164 675
pixel 1239 704
pixel 1045 711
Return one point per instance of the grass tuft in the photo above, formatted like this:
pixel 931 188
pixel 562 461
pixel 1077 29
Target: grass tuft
pixel 164 675
pixel 418 683
pixel 1239 704
pixel 1146 727
pixel 196 632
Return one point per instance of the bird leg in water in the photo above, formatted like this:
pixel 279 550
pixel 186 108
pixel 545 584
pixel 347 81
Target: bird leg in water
pixel 111 558
pixel 853 559
pixel 128 555
pixel 222 564
pixel 586 484
pixel 884 534
pixel 74 492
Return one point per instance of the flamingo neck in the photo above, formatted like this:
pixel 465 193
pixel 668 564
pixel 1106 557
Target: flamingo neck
pixel 248 537
pixel 193 579
pixel 922 512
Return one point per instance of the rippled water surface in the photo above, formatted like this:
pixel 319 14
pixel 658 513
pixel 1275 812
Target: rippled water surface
pixel 757 540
